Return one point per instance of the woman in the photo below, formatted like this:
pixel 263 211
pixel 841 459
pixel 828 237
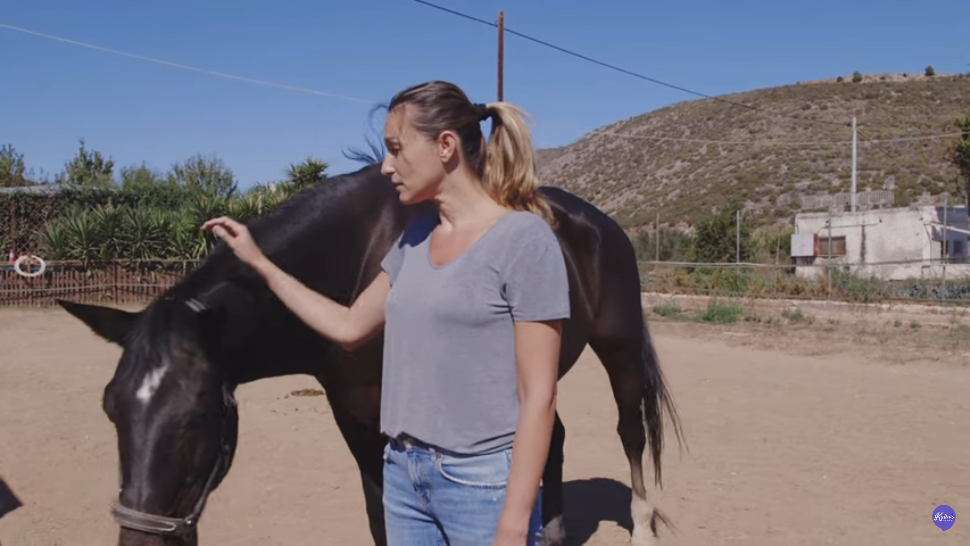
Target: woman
pixel 471 300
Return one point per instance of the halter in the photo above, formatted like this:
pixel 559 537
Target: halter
pixel 185 526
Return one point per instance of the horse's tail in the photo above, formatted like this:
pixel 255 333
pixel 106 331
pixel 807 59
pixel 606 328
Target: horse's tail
pixel 656 401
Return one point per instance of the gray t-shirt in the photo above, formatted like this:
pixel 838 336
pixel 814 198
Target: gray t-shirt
pixel 449 338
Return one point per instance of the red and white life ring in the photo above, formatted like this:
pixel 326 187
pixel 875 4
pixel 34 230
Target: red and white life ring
pixel 18 266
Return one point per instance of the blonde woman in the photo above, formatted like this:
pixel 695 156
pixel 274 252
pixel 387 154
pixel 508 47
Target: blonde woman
pixel 470 299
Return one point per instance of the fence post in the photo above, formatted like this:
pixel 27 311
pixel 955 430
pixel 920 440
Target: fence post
pixel 946 243
pixel 828 264
pixel 737 237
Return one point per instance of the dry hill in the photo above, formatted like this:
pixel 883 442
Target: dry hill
pixel 638 174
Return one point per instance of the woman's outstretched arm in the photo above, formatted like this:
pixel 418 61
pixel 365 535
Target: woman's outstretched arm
pixel 347 326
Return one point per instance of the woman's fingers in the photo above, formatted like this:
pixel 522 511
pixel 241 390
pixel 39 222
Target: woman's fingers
pixel 225 225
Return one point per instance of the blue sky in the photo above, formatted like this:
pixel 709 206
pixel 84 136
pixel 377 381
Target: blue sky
pixel 53 93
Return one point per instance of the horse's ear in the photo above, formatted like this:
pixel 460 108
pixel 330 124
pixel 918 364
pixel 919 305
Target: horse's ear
pixel 111 324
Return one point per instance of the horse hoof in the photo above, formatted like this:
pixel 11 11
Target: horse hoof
pixel 644 524
pixel 553 533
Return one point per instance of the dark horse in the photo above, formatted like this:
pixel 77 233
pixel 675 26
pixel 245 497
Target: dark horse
pixel 171 397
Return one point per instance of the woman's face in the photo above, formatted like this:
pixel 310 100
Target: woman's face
pixel 414 163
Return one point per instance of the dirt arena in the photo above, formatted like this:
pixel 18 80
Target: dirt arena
pixel 832 427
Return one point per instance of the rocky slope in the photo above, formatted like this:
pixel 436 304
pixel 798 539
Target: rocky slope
pixel 790 143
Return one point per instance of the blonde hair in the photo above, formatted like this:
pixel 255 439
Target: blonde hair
pixel 506 163
pixel 510 175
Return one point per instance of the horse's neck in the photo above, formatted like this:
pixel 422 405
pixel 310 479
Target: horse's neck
pixel 267 340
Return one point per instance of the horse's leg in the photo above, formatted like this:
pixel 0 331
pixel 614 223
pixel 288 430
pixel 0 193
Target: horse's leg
pixel 367 446
pixel 623 346
pixel 553 526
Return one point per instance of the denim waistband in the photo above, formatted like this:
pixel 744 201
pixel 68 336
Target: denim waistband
pixel 405 442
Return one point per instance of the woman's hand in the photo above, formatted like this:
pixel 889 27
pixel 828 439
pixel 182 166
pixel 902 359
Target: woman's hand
pixel 237 236
pixel 510 534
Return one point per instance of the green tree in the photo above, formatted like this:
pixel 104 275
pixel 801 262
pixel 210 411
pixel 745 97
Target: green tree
pixel 308 173
pixel 930 71
pixel 857 77
pixel 205 175
pixel 153 188
pixel 961 151
pixel 87 169
pixel 11 168
pixel 139 178
pixel 717 237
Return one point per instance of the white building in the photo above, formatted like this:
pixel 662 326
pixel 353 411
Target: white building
pixel 890 244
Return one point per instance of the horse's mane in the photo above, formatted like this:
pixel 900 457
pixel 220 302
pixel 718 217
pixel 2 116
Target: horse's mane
pixel 373 156
pixel 328 201
pixel 376 153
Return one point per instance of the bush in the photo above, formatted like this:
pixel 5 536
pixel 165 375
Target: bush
pixel 856 77
pixel 721 313
pixel 717 237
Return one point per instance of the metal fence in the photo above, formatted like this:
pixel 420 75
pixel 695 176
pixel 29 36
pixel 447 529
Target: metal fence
pixel 103 282
pixel 941 283
pixel 914 254
pixel 917 254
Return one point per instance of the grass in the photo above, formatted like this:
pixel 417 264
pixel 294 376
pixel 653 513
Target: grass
pixel 716 312
pixel 668 310
pixel 721 313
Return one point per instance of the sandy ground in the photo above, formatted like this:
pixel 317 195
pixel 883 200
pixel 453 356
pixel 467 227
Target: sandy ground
pixel 834 430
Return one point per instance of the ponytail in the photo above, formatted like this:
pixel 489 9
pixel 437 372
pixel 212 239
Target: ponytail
pixel 510 175
pixel 506 162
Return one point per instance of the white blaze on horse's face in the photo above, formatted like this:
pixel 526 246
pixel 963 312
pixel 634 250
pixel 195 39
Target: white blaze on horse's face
pixel 150 384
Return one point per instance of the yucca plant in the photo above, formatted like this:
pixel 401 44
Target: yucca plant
pixel 244 208
pixel 54 241
pixel 108 224
pixel 188 240
pixel 82 235
pixel 147 234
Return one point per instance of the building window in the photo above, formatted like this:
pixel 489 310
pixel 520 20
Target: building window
pixel 834 247
pixel 952 249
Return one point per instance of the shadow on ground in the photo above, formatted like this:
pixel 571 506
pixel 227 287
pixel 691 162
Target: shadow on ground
pixel 590 502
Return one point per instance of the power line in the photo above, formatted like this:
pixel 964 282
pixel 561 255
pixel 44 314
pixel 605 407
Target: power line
pixel 622 70
pixel 191 68
pixel 371 102
pixel 859 132
pixel 775 142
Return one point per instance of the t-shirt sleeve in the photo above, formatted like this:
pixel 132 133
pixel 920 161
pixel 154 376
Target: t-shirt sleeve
pixel 535 282
pixel 394 259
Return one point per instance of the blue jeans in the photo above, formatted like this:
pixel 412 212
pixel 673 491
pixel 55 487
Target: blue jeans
pixel 432 498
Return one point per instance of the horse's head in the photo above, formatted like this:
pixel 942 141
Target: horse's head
pixel 173 411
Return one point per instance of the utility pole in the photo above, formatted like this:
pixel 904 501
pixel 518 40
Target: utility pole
pixel 501 51
pixel 854 140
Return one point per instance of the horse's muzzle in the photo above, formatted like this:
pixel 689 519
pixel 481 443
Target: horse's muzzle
pixel 131 537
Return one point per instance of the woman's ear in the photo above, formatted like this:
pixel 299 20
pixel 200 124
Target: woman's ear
pixel 447 146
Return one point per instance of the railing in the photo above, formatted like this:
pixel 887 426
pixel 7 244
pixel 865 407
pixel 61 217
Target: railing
pixel 104 282
pixel 138 282
pixel 910 281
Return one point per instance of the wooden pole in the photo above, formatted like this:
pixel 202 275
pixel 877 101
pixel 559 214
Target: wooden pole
pixel 501 51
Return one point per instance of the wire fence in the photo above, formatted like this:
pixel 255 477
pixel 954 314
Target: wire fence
pixel 913 254
pixel 941 283
pixel 114 282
